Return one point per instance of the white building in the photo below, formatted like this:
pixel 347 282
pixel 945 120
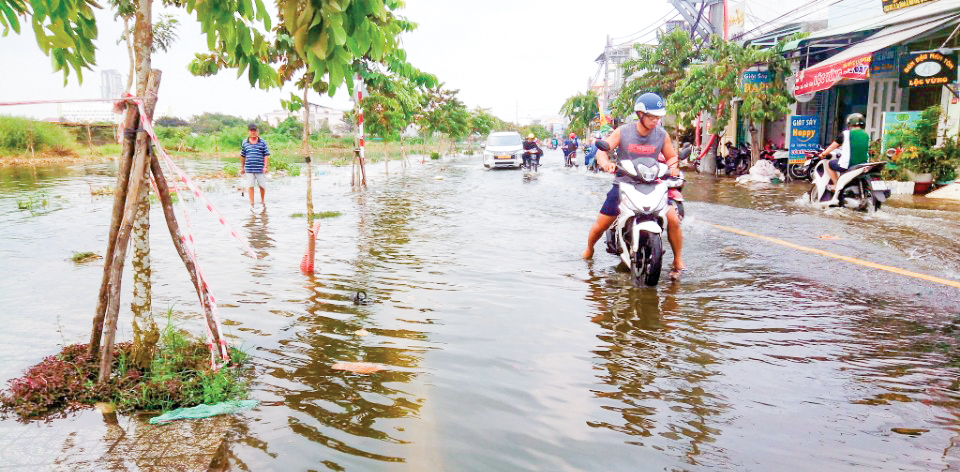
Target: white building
pixel 111 84
pixel 318 113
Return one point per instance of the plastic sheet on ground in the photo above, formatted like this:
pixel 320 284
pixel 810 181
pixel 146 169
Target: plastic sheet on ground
pixel 763 171
pixel 204 411
pixel 950 192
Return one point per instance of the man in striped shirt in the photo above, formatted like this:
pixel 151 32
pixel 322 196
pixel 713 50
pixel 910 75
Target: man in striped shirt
pixel 254 162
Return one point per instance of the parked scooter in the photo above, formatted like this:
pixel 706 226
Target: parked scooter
pixel 780 158
pixel 637 234
pixel 859 187
pixel 805 171
pixel 737 161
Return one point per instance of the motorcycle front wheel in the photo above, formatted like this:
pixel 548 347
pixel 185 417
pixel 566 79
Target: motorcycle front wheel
pixel 797 172
pixel 649 262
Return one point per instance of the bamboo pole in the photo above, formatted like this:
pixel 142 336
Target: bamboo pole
pixel 123 177
pixel 167 203
pixel 137 173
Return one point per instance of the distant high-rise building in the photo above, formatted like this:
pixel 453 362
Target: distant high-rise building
pixel 111 84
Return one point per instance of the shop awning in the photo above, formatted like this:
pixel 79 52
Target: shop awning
pixel 854 62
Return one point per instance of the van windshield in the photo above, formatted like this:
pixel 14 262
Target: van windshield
pixel 504 140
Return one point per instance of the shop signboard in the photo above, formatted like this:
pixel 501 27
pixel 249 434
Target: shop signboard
pixel 893 119
pixel 884 63
pixel 755 81
pixel 818 78
pixel 804 136
pixel 891 5
pixel 928 69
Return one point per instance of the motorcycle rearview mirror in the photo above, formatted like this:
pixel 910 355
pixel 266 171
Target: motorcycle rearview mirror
pixel 603 146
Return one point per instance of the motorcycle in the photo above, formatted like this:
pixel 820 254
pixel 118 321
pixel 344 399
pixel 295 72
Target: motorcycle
pixel 637 234
pixel 805 171
pixel 780 158
pixel 859 187
pixel 568 157
pixel 737 161
pixel 531 160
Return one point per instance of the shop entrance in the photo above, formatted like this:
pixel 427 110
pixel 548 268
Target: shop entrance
pixel 851 98
pixel 922 98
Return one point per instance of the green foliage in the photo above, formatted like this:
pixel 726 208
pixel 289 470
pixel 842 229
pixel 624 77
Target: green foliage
pixel 290 128
pixel 444 113
pixel 661 68
pixel 538 130
pixel 85 256
pixel 65 30
pixel 435 155
pixel 321 215
pixel 581 109
pixel 481 122
pixel 18 135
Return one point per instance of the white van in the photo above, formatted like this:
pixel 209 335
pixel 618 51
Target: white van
pixel 503 149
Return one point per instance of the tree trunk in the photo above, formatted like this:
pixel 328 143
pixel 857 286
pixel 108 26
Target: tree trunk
pixel 145 333
pixel 306 120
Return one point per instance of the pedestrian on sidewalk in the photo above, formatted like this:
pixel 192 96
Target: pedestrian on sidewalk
pixel 255 162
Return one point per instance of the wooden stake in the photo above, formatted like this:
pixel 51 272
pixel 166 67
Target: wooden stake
pixel 167 203
pixel 137 173
pixel 131 118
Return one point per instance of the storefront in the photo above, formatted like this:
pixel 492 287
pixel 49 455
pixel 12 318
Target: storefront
pixel 870 67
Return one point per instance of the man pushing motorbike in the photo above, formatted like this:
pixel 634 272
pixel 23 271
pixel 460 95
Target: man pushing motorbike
pixel 645 138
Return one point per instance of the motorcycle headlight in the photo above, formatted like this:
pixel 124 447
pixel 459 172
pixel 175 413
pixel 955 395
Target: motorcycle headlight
pixel 648 174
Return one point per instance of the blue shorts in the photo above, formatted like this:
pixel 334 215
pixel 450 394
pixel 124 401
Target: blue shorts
pixel 835 165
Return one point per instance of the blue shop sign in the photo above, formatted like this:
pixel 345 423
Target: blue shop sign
pixel 804 136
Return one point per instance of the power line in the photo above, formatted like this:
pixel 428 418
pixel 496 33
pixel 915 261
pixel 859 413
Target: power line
pixel 644 28
pixel 807 5
pixel 651 29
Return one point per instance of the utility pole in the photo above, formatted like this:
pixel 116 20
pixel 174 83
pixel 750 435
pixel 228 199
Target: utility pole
pixel 606 75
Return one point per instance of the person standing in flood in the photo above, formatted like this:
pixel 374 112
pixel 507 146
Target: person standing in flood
pixel 255 162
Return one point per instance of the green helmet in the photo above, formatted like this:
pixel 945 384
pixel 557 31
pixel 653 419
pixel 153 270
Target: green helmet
pixel 856 119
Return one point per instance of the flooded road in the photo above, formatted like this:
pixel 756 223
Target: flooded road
pixel 505 351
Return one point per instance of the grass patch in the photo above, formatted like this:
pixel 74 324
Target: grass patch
pixel 21 135
pixel 321 215
pixel 179 376
pixel 81 257
pixel 434 155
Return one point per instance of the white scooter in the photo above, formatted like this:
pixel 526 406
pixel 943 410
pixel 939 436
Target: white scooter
pixel 859 189
pixel 636 236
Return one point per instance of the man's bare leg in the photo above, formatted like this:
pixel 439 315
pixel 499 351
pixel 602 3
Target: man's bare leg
pixel 675 236
pixel 250 192
pixel 833 176
pixel 263 192
pixel 596 231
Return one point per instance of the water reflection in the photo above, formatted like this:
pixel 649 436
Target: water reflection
pixel 659 368
pixel 259 233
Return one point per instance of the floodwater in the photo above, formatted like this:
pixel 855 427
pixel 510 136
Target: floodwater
pixel 503 350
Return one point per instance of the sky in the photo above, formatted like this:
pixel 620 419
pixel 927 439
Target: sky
pixel 518 58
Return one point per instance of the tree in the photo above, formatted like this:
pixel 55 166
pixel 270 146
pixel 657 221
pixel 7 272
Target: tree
pixel 538 130
pixel 657 69
pixel 481 122
pixel 330 39
pixel 712 87
pixel 445 114
pixel 581 109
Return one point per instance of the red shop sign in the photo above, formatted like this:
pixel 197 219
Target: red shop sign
pixel 823 77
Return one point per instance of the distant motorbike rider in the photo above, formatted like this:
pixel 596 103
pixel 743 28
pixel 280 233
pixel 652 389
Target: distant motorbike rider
pixel 531 150
pixel 590 153
pixel 570 146
pixel 645 138
pixel 853 144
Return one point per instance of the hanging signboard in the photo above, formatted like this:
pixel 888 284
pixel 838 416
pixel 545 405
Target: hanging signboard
pixel 884 63
pixel 804 136
pixel 736 19
pixel 894 119
pixel 818 78
pixel 755 81
pixel 891 5
pixel 928 69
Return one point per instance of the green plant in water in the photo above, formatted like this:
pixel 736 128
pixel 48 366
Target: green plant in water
pixel 434 155
pixel 86 256
pixel 321 215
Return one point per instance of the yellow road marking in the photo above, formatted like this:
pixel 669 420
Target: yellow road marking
pixel 853 260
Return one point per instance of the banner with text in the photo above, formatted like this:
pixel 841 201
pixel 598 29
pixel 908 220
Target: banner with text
pixel 804 136
pixel 823 77
pixel 755 81
pixel 891 5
